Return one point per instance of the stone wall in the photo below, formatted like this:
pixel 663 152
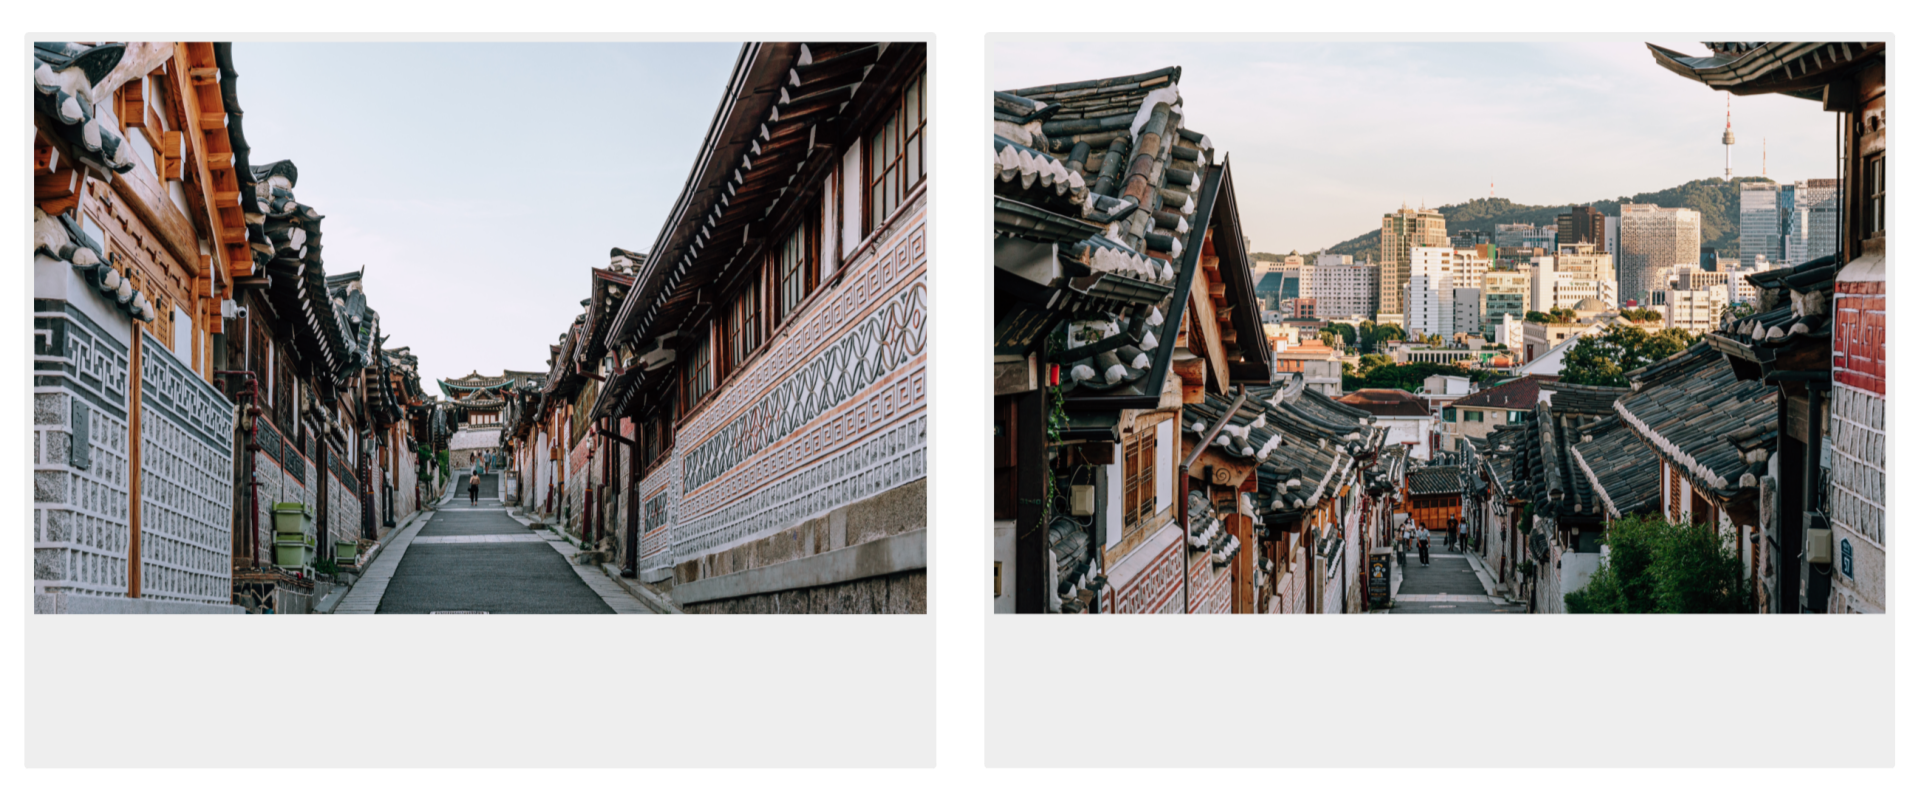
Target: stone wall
pixel 1859 481
pixel 889 514
pixel 80 493
pixel 898 593
pixel 186 479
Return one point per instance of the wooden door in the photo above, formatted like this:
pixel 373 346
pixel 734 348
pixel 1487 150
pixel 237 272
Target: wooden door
pixel 1006 472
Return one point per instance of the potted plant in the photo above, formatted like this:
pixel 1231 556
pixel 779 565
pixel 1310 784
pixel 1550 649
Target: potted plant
pixel 291 518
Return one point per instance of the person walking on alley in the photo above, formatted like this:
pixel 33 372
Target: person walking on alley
pixel 1426 544
pixel 473 488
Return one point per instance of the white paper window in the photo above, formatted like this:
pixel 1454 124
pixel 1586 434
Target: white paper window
pixel 1163 471
pixel 850 209
pixel 183 335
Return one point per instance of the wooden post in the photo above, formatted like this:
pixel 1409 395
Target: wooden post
pixel 133 456
pixel 1030 537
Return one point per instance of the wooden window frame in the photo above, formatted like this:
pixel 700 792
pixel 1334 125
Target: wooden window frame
pixel 699 369
pixel 743 331
pixel 885 190
pixel 1138 470
pixel 1876 191
pixel 793 269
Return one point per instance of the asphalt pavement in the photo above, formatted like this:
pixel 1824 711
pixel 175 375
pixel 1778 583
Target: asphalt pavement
pixel 1448 585
pixel 474 558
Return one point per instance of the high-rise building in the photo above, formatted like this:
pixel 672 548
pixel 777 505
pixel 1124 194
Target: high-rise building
pixel 1613 240
pixel 1331 260
pixel 1583 224
pixel 1468 309
pixel 1710 259
pixel 1507 293
pixel 1400 232
pixel 1760 221
pixel 1652 241
pixel 1809 230
pixel 1429 292
pixel 1344 290
pixel 1468 265
pixel 1521 234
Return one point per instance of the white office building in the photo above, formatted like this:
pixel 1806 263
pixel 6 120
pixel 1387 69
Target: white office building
pixel 1696 310
pixel 1468 267
pixel 1429 300
pixel 1344 290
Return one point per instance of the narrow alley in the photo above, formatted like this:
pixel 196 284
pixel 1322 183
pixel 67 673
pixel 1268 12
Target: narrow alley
pixel 1452 583
pixel 475 558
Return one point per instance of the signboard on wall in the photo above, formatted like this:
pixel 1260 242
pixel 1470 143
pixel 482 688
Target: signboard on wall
pixel 1379 576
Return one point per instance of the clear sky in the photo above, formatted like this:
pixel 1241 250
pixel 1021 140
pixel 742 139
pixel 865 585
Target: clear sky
pixel 1327 137
pixel 478 182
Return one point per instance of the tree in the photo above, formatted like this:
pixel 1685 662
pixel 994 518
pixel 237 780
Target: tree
pixel 1604 359
pixel 1657 567
pixel 1384 374
pixel 1641 315
pixel 1346 332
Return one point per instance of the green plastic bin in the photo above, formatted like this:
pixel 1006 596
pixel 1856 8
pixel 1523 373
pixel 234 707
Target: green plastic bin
pixel 346 552
pixel 291 518
pixel 291 555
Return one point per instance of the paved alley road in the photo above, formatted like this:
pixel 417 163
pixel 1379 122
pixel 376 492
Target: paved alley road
pixel 1447 586
pixel 475 558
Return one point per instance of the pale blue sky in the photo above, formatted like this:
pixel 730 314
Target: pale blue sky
pixel 1327 136
pixel 478 182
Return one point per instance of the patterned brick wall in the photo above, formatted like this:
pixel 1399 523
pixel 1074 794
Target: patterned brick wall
pixel 186 480
pixel 834 411
pixel 80 454
pixel 1857 428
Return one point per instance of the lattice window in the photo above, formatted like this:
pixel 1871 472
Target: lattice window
pixel 795 270
pixel 699 372
pixel 1876 217
pixel 896 153
pixel 1140 459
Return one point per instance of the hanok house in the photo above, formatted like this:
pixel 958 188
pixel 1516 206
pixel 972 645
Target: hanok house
pixel 476 407
pixel 1560 543
pixel 1820 333
pixel 1715 436
pixel 1494 507
pixel 138 236
pixel 1433 498
pixel 1318 503
pixel 766 374
pixel 1123 294
pixel 394 388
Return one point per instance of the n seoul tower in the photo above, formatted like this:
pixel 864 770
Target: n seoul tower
pixel 1727 138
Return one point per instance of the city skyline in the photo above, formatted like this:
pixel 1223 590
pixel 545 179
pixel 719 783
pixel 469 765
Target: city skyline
pixel 1343 167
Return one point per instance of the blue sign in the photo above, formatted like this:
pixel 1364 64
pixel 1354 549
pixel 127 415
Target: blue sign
pixel 1846 558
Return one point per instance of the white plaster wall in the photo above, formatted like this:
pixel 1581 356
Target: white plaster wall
pixel 1003 553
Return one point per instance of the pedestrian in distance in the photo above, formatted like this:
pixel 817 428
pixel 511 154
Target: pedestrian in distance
pixel 1425 538
pixel 473 488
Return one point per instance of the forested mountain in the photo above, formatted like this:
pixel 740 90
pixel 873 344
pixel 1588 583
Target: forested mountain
pixel 1717 200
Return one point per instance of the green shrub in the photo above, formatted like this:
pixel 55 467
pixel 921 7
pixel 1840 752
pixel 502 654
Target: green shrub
pixel 1657 567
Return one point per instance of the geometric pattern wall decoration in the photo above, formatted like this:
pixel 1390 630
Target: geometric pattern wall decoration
pixel 80 515
pixel 834 412
pixel 186 475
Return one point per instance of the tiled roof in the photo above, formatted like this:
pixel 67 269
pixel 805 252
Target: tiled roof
pixel 1434 480
pixel 1516 395
pixel 1622 471
pixel 1687 408
pixel 1387 402
pixel 1596 401
pixel 1797 69
pixel 60 238
pixel 65 77
pixel 1795 304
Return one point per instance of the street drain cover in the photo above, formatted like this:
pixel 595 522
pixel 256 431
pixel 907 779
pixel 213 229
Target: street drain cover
pixel 459 612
